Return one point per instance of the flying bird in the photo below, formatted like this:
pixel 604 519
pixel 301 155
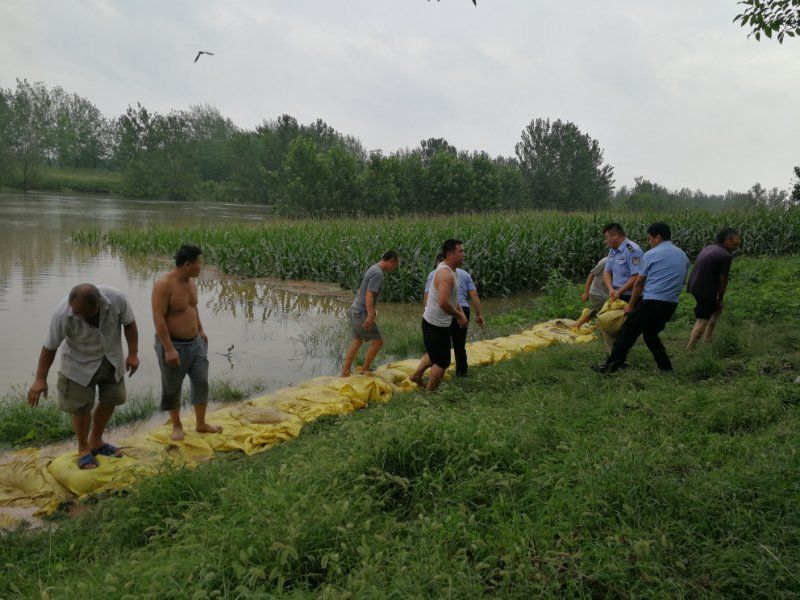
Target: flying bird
pixel 199 52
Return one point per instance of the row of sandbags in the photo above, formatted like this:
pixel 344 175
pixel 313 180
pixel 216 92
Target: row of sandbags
pixel 31 478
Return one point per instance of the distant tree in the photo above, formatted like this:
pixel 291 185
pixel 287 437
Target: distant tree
pixel 432 146
pixel 320 182
pixel 209 135
pixel 768 17
pixel 156 154
pixel 795 198
pixel 379 183
pixel 564 167
pixel 451 184
pixel 5 135
pixel 28 131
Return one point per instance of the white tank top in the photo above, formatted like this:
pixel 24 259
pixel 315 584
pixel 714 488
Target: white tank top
pixel 433 312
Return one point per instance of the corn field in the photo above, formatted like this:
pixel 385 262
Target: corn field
pixel 505 253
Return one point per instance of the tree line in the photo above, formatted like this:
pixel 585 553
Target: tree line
pixel 312 169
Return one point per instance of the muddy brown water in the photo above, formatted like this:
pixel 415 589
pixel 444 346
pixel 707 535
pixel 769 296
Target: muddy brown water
pixel 262 331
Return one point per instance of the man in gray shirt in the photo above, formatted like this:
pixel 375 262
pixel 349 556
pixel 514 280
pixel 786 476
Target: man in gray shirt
pixel 88 322
pixel 362 313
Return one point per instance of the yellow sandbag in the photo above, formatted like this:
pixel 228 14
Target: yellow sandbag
pixel 611 316
pixel 112 474
pixel 25 481
pixel 28 479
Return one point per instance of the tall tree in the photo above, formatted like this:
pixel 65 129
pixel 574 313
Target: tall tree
pixel 564 167
pixel 770 17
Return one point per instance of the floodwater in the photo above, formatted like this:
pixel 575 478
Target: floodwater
pixel 268 333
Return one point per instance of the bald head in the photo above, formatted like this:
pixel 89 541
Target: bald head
pixel 84 300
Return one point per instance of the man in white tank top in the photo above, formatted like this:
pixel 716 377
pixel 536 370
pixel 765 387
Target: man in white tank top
pixel 442 307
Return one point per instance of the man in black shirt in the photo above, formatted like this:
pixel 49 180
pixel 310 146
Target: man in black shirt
pixel 708 283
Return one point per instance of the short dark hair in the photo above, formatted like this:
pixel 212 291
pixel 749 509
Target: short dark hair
pixel 660 229
pixel 187 253
pixel 725 234
pixel 439 258
pixel 614 228
pixel 85 293
pixel 449 246
pixel 390 255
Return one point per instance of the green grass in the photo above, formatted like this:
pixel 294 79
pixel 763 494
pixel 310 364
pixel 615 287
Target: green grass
pixel 506 253
pixel 21 425
pixel 78 180
pixel 535 477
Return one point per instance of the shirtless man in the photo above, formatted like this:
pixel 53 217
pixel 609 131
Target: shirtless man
pixel 181 344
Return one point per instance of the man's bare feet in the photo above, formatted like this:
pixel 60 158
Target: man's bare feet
pixel 417 379
pixel 177 433
pixel 345 374
pixel 208 428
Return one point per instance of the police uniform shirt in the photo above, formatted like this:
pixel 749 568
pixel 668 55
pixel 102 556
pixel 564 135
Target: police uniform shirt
pixel 624 262
pixel 665 268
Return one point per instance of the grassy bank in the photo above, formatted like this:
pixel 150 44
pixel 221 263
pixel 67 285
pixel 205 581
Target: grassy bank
pixel 535 477
pixel 21 425
pixel 55 179
pixel 505 253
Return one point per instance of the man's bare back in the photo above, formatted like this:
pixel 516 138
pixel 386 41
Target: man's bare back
pixel 176 299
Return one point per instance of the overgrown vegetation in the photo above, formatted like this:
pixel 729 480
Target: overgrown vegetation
pixel 535 477
pixel 505 253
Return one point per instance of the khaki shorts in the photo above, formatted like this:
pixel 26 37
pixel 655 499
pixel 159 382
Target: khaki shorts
pixel 357 325
pixel 76 399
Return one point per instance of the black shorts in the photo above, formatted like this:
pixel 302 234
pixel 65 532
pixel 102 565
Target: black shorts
pixel 705 307
pixel 437 343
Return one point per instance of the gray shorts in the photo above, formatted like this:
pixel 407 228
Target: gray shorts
pixel 77 399
pixel 193 355
pixel 357 325
pixel 596 302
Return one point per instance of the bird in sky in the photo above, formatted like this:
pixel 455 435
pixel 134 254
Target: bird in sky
pixel 199 52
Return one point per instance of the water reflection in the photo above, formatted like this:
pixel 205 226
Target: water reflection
pixel 276 333
pixel 256 331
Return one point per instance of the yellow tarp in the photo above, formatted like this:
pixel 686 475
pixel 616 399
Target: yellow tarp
pixel 30 479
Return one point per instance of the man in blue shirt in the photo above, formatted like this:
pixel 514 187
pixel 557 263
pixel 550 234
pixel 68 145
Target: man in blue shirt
pixel 466 292
pixel 624 262
pixel 653 301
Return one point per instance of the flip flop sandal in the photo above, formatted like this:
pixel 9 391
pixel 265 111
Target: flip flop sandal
pixel 88 461
pixel 107 450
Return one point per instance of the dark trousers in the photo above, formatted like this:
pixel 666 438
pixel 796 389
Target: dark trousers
pixel 648 320
pixel 459 335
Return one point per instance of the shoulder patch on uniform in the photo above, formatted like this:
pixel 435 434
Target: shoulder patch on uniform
pixel 629 246
pixel 636 260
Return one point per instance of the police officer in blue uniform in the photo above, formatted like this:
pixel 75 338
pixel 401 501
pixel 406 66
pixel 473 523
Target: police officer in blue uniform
pixel 624 261
pixel 654 299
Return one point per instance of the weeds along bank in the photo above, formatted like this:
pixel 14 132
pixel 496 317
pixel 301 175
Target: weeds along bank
pixel 506 253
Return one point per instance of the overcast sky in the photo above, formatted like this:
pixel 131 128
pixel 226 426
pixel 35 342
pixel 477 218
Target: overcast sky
pixel 671 89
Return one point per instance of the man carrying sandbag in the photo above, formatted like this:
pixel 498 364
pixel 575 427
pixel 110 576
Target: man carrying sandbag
pixel 653 301
pixel 88 322
pixel 622 267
